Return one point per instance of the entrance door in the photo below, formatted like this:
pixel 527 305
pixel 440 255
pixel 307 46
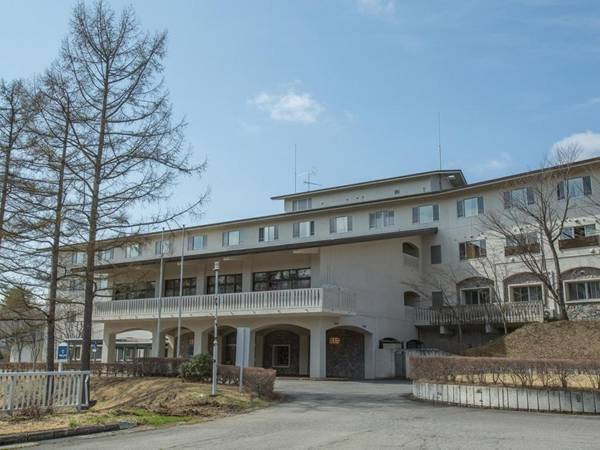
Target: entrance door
pixel 345 354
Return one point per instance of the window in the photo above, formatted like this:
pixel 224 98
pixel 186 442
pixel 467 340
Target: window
pixel 101 283
pixel 522 243
pixel 522 239
pixel 78 258
pixel 197 242
pixel 579 232
pixel 142 289
pixel 162 247
pixel 227 284
pixel 106 255
pixel 304 229
pixel 528 293
pixel 172 287
pixel 281 355
pixel 436 254
pixel 268 233
pixel 341 224
pixel 472 249
pixel 231 238
pixel 381 219
pixel 476 296
pixel 583 290
pixel 469 207
pixel 133 251
pixel 426 214
pixel 574 187
pixel 281 279
pixel 301 204
pixel 518 197
pixel 410 249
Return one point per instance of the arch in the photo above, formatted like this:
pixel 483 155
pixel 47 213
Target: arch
pixel 411 298
pixel 475 291
pixel 414 343
pixel 345 352
pixel 523 286
pixel 408 248
pixel 283 347
pixel 582 283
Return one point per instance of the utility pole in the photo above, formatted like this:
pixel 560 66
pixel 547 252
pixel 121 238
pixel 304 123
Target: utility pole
pixel 213 391
pixel 160 289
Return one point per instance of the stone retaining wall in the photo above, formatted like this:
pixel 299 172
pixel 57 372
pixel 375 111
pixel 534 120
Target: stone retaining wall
pixel 498 397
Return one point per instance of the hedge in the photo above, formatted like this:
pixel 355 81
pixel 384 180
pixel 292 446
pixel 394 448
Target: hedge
pixel 546 373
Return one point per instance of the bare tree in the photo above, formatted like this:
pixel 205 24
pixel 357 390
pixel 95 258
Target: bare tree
pixel 536 210
pixel 131 149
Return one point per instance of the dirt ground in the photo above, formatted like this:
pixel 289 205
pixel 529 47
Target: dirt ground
pixel 551 340
pixel 147 401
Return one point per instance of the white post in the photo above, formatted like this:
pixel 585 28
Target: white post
pixel 157 350
pixel 180 292
pixel 215 344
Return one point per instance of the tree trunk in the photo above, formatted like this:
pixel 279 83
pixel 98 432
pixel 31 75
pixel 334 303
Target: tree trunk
pixel 6 177
pixel 53 288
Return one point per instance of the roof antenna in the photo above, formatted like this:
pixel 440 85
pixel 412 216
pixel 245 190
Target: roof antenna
pixel 295 168
pixel 440 139
pixel 309 183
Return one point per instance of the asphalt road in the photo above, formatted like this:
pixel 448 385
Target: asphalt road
pixel 357 415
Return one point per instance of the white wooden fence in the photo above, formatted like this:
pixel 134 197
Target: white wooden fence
pixel 24 390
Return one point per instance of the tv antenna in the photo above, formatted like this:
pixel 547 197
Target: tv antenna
pixel 309 184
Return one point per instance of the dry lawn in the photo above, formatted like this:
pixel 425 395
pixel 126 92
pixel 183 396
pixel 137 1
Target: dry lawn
pixel 552 340
pixel 147 401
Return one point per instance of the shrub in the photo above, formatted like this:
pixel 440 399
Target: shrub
pixel 557 373
pixel 199 368
pixel 257 380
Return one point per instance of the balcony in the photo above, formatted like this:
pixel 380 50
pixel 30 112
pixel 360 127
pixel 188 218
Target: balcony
pixel 578 242
pixel 493 313
pixel 330 300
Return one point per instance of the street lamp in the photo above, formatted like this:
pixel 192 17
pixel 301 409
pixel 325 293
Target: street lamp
pixel 216 268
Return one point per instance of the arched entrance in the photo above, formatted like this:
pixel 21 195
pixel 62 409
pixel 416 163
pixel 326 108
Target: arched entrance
pixel 227 337
pixel 345 353
pixel 284 348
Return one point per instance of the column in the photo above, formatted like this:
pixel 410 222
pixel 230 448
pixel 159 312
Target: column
pixel 317 351
pixel 199 341
pixel 370 349
pixel 158 344
pixel 109 344
pixel 303 361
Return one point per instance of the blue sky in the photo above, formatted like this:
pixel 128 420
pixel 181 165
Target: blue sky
pixel 357 85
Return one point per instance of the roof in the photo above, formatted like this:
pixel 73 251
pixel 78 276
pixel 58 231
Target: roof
pixel 422 195
pixel 373 183
pixel 282 247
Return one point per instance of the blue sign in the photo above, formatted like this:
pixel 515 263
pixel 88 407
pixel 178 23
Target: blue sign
pixel 63 352
pixel 94 347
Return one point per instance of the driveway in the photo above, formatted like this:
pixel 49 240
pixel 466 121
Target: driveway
pixel 336 414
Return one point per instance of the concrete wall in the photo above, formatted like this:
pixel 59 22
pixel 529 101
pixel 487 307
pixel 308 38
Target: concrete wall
pixel 524 399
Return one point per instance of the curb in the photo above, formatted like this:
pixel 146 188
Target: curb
pixel 21 438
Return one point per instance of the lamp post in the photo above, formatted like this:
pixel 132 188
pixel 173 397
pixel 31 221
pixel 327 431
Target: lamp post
pixel 180 292
pixel 213 392
pixel 159 350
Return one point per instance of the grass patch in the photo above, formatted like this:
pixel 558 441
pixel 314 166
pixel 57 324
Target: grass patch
pixel 146 401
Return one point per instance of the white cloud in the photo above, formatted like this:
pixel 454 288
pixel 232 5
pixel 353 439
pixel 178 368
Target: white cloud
pixel 289 107
pixel 502 161
pixel 587 143
pixel 381 8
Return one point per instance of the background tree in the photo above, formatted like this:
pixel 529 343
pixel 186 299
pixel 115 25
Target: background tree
pixel 131 150
pixel 536 210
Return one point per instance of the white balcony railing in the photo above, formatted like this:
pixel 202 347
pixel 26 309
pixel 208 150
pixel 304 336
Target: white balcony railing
pixel 313 300
pixel 493 313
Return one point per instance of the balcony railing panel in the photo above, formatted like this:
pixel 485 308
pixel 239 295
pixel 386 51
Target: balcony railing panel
pixel 493 313
pixel 330 299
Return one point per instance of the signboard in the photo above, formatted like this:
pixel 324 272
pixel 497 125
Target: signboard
pixel 242 353
pixel 63 351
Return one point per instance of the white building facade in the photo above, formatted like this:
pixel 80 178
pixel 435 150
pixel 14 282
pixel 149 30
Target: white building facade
pixel 344 275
